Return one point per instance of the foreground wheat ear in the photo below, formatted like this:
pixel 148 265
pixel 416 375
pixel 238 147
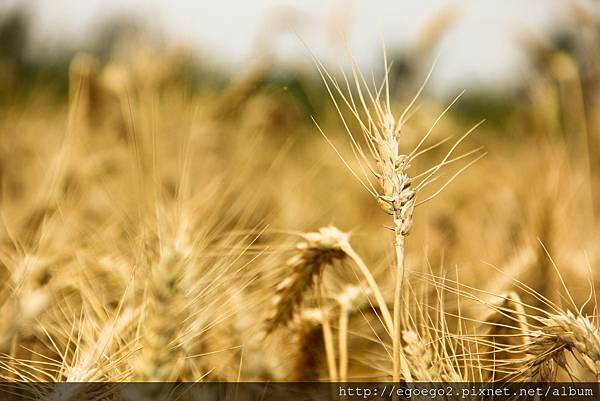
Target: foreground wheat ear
pixel 547 342
pixel 159 360
pixel 397 190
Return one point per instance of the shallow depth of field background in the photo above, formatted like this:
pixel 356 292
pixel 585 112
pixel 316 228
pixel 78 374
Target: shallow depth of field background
pixel 124 129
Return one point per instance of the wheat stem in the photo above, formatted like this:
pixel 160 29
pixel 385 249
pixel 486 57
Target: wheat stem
pixel 343 342
pixel 329 349
pixel 400 367
pixel 387 317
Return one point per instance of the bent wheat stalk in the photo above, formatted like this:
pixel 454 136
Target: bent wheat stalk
pixel 314 252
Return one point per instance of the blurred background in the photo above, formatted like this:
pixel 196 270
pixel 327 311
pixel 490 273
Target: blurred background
pixel 482 44
pixel 240 77
pixel 246 70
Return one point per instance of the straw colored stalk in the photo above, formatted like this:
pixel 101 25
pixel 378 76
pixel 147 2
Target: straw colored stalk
pixel 347 300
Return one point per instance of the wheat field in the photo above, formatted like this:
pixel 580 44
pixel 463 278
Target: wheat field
pixel 151 232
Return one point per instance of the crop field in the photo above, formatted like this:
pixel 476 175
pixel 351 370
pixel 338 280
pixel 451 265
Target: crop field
pixel 160 222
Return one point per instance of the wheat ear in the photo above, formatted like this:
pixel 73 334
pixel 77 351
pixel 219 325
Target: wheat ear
pixel 427 360
pixel 313 253
pixel 347 300
pixel 560 333
pixel 159 360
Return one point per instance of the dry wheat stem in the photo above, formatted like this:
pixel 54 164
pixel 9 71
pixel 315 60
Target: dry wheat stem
pixel 346 300
pixel 329 349
pixel 387 317
pixel 343 341
pixel 399 362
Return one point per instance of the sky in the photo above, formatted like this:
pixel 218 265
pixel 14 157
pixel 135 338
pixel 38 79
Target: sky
pixel 480 47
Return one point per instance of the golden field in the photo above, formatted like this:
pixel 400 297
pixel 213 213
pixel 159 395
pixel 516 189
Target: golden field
pixel 154 232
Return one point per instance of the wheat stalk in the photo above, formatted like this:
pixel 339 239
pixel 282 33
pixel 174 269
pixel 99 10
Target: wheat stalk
pixel 398 190
pixel 347 300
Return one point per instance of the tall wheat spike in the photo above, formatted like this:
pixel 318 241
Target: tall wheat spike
pixel 397 189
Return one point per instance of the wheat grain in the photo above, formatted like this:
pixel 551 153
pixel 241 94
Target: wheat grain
pixel 427 362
